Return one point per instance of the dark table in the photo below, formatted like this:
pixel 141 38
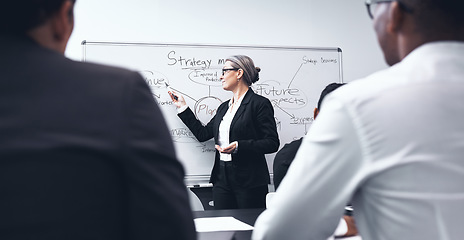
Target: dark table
pixel 248 216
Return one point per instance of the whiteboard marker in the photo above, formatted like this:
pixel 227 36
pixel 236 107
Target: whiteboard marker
pixel 170 89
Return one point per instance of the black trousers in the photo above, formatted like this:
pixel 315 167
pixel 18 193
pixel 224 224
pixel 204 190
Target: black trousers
pixel 228 194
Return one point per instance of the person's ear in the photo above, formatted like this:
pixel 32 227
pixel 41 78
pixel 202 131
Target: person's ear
pixel 316 112
pixel 63 23
pixel 239 73
pixel 396 18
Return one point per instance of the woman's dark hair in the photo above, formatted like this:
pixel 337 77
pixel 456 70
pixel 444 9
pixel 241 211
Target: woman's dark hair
pixel 20 16
pixel 250 72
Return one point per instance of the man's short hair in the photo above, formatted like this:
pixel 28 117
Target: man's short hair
pixel 433 16
pixel 328 89
pixel 20 16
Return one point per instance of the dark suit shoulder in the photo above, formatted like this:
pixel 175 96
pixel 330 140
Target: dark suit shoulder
pixel 21 52
pixel 100 71
pixel 287 153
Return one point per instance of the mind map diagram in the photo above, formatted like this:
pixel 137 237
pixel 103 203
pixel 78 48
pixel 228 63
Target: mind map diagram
pixel 203 93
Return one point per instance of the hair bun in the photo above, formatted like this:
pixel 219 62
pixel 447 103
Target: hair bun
pixel 257 74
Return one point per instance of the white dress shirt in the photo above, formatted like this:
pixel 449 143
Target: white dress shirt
pixel 393 141
pixel 224 128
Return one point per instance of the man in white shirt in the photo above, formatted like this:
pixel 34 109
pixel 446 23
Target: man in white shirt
pixel 392 142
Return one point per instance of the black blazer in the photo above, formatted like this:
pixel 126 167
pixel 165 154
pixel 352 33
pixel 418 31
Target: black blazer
pixel 84 152
pixel 253 127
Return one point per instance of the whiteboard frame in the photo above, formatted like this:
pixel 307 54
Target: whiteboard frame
pixel 202 180
pixel 84 43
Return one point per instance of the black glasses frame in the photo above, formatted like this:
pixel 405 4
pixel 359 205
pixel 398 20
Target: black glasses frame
pixel 224 70
pixel 370 2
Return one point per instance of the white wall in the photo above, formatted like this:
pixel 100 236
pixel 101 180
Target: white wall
pixel 308 23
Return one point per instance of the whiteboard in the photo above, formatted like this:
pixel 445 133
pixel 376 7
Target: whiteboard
pixel 292 78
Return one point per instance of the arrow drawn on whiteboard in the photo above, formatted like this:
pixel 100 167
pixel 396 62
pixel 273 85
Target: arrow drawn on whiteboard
pixel 291 115
pixel 184 94
pixel 295 75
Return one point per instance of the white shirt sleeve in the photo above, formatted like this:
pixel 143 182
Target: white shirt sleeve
pixel 311 198
pixel 182 109
pixel 341 229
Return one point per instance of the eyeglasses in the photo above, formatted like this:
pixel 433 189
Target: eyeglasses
pixel 371 4
pixel 224 70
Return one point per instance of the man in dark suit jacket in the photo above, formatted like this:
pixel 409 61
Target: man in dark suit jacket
pixel 84 150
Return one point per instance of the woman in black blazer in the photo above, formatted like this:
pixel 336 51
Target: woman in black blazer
pixel 243 129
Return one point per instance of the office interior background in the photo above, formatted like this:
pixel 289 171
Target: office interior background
pixel 305 23
pixel 301 23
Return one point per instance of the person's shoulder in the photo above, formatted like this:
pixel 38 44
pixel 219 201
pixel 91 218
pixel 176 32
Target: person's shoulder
pixel 103 72
pixel 371 86
pixel 296 142
pixel 293 144
pixel 287 153
pixel 100 80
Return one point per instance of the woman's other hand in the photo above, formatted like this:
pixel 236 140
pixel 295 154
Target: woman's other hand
pixel 228 149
